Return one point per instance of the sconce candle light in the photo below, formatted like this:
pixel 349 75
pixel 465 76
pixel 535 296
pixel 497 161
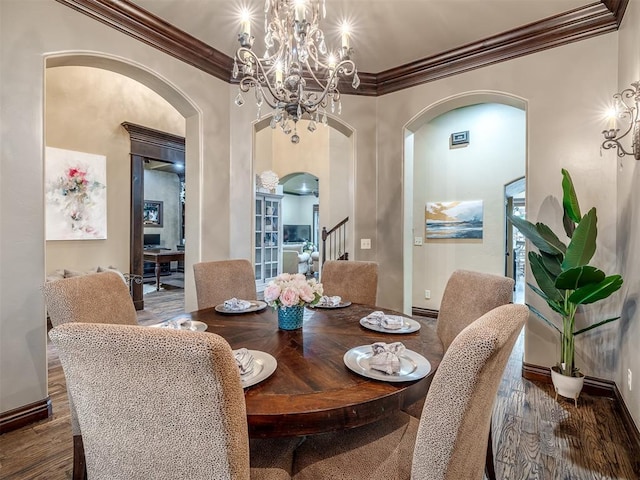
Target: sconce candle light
pixel 623 112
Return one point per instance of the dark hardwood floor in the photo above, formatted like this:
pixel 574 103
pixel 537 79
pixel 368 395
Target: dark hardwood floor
pixel 535 436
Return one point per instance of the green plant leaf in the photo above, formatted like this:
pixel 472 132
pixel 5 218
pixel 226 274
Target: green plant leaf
pixel 578 277
pixel 555 306
pixel 545 279
pixel 583 243
pixel 568 224
pixel 593 292
pixel 553 263
pixel 532 233
pixel 537 313
pixel 595 325
pixel 552 239
pixel 569 198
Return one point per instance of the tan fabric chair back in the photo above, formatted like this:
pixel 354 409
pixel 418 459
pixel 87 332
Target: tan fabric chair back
pixel 94 298
pixel 467 296
pixel 155 403
pixel 457 412
pixel 355 282
pixel 222 280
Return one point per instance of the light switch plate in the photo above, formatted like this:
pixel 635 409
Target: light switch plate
pixel 417 241
pixel 365 244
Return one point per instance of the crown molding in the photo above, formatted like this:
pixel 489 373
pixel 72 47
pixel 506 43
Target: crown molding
pixel 594 19
pixel 152 30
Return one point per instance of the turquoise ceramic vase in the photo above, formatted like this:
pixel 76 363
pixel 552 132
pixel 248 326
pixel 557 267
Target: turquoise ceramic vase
pixel 290 318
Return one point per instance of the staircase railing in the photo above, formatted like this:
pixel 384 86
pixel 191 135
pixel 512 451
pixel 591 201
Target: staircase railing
pixel 335 241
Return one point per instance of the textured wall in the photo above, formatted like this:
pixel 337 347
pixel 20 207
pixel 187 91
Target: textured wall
pixel 626 353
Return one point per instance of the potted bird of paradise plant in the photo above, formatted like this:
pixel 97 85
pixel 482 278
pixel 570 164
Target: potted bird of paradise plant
pixel 566 281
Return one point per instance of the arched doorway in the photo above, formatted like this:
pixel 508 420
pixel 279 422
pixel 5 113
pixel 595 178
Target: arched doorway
pixel 326 154
pixel 192 132
pixel 440 172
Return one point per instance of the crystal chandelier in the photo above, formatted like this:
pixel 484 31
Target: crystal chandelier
pixel 295 55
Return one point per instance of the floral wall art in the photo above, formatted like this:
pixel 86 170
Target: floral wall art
pixel 454 219
pixel 75 195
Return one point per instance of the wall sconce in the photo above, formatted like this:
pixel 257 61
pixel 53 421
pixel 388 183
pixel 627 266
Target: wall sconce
pixel 623 112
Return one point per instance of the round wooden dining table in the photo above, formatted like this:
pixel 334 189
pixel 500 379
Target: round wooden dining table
pixel 312 390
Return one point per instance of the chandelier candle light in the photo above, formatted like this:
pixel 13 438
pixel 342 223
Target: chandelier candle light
pixel 622 111
pixel 295 54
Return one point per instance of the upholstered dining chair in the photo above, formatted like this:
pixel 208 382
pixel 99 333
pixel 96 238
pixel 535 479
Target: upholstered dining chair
pixel 94 298
pixel 224 279
pixel 162 404
pixel 467 296
pixel 354 281
pixel 443 444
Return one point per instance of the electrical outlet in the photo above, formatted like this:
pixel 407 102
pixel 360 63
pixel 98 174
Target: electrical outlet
pixel 629 379
pixel 427 294
pixel 417 241
pixel 365 243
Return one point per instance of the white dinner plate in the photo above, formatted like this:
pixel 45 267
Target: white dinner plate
pixel 256 306
pixel 264 365
pixel 413 366
pixel 408 325
pixel 340 305
pixel 192 325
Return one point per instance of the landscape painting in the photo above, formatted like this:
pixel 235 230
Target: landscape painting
pixel 454 219
pixel 75 195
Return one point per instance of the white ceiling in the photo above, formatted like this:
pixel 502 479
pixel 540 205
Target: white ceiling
pixel 386 33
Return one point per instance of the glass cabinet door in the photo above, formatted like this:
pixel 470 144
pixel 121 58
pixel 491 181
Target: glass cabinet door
pixel 267 229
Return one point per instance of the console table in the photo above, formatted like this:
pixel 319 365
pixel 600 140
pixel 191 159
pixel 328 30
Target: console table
pixel 162 257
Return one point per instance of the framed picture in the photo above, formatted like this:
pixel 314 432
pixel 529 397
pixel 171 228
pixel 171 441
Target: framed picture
pixel 454 219
pixel 152 213
pixel 459 138
pixel 75 195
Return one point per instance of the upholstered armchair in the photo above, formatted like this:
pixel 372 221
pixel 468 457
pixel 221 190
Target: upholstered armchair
pixel 443 444
pixel 221 280
pixel 294 260
pixel 163 404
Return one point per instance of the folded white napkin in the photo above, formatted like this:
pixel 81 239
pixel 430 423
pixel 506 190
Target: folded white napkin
pixel 244 360
pixel 386 357
pixel 326 301
pixel 236 304
pixel 390 322
pixel 175 323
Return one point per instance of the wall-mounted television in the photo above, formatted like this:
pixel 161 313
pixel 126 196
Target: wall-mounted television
pixel 296 233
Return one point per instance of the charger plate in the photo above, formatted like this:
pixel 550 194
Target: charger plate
pixel 256 306
pixel 264 365
pixel 413 366
pixel 192 325
pixel 408 325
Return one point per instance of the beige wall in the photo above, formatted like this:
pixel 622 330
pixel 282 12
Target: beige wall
pixel 78 119
pixel 494 157
pixel 627 353
pixel 165 187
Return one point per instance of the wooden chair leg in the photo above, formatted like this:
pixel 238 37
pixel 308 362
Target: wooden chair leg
pixel 489 466
pixel 79 465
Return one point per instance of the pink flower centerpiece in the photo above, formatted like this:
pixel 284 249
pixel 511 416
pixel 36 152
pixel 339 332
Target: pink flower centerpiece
pixel 289 294
pixel 290 290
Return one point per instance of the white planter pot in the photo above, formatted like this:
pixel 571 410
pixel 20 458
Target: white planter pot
pixel 568 387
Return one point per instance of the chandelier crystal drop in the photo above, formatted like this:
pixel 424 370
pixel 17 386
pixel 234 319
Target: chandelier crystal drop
pixel 297 76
